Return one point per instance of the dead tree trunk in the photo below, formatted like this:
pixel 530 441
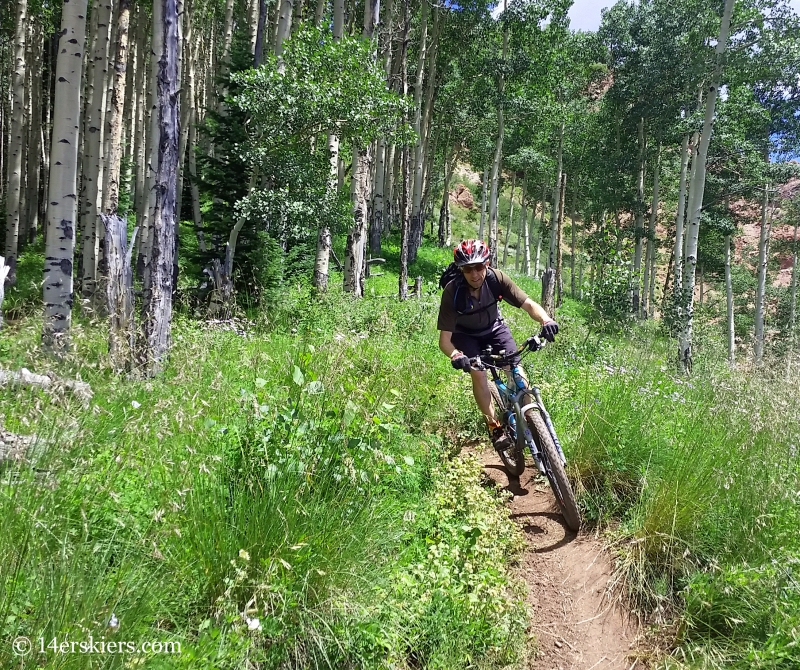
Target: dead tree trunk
pixel 157 291
pixel 119 290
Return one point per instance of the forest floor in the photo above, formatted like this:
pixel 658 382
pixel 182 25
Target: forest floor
pixel 578 622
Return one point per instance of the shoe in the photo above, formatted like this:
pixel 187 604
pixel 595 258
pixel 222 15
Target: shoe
pixel 500 440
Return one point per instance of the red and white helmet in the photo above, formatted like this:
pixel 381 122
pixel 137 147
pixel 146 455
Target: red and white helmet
pixel 471 251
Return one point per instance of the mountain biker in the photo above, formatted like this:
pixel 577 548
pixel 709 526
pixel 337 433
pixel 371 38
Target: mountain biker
pixel 470 319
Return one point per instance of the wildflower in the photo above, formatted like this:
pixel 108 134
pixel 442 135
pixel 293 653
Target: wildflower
pixel 113 622
pixel 135 405
pixel 253 624
pixel 244 555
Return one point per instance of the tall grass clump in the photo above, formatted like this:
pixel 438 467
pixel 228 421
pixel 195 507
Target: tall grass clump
pixel 283 496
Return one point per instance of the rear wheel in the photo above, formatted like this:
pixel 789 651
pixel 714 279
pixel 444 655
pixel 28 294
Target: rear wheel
pixel 554 469
pixel 514 457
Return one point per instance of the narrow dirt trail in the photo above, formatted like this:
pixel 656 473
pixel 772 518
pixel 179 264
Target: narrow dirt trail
pixel 576 625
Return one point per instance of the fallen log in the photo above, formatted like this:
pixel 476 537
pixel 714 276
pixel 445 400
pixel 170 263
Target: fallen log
pixel 25 377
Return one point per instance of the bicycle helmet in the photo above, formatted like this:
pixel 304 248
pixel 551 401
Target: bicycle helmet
pixel 470 252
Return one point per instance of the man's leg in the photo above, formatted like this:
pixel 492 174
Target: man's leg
pixel 480 389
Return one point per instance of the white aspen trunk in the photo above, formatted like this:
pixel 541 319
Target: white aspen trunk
pixel 539 233
pixel 297 15
pixel 319 12
pixel 484 193
pixel 4 269
pixel 510 220
pixel 355 257
pixel 679 219
pixel 551 260
pixel 228 36
pixel 498 152
pixel 16 144
pixel 284 30
pixel 252 24
pixel 696 195
pixel 158 278
pixel 197 216
pixel 322 262
pixel 558 282
pixel 729 301
pixel 444 209
pixel 383 154
pixel 761 285
pixel 638 232
pixel 792 304
pixel 648 285
pixel 522 232
pixel 404 163
pixel 114 158
pixel 62 196
pixel 573 230
pixel 416 189
pixel 526 230
pixel 187 104
pixel 392 168
pixel 34 146
pixel 376 224
pixel 93 153
pixel 141 117
pixel 113 153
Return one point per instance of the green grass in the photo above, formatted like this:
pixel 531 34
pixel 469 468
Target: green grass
pixel 304 475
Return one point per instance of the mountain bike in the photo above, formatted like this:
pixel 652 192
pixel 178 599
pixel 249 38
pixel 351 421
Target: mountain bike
pixel 526 421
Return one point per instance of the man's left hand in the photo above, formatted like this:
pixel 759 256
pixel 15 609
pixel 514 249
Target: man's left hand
pixel 549 331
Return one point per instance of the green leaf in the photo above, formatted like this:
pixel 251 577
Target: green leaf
pixel 297 376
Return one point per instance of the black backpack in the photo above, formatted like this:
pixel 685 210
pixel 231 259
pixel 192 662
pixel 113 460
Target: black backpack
pixel 453 273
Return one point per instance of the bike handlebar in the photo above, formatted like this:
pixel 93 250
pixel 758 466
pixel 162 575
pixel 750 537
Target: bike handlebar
pixel 480 362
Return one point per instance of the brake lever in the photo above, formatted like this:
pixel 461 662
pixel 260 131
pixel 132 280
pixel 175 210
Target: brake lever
pixel 476 364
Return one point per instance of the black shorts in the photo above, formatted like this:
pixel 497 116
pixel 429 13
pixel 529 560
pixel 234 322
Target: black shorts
pixel 499 338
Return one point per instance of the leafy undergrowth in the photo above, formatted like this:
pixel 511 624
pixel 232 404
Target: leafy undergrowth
pixel 285 495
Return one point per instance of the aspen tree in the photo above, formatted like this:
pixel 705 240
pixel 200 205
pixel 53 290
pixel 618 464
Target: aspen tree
pixel 62 195
pixel 354 261
pixel 638 232
pixel 761 281
pixel 415 231
pixel 498 151
pixel 405 158
pixel 648 286
pixel 15 144
pixel 697 188
pixel 93 147
pixel 322 262
pixel 510 219
pixel 526 231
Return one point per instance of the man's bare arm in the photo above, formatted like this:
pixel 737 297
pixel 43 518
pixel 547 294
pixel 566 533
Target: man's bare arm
pixel 445 343
pixel 535 311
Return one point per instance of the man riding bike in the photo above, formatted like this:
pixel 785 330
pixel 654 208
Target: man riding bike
pixel 470 319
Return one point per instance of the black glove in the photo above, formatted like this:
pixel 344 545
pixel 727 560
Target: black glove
pixel 460 363
pixel 549 331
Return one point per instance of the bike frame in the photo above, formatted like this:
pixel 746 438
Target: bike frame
pixel 513 401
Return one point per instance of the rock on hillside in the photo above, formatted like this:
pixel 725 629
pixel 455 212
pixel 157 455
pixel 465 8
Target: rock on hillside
pixel 461 195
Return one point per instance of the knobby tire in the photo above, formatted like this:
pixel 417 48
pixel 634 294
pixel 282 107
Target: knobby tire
pixel 514 458
pixel 556 475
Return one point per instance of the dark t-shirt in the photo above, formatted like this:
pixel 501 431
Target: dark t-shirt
pixel 477 321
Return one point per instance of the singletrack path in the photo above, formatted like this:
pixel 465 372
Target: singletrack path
pixel 577 625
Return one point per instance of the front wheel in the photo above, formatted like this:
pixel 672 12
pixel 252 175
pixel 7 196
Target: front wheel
pixel 513 458
pixel 554 469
